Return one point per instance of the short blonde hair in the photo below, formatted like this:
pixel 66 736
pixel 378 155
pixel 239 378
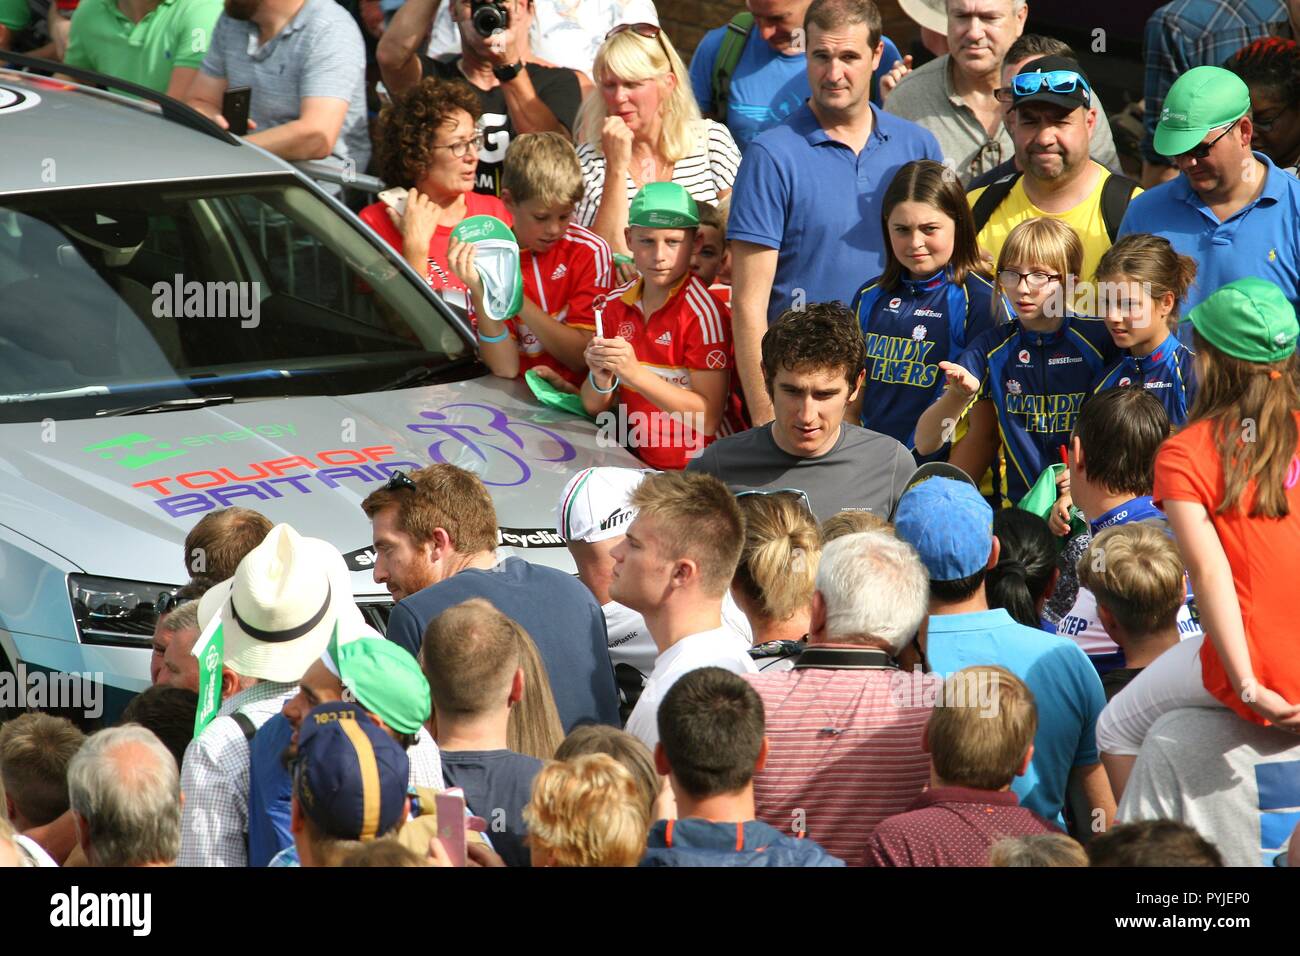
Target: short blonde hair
pixel 1039 849
pixel 969 747
pixel 851 521
pixel 695 517
pixel 630 56
pixel 588 811
pixel 778 562
pixel 544 167
pixel 1136 572
pixel 36 750
pixel 1043 242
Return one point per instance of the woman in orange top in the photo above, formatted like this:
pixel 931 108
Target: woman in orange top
pixel 1230 485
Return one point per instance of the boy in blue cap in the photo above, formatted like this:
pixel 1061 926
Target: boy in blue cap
pixel 951 526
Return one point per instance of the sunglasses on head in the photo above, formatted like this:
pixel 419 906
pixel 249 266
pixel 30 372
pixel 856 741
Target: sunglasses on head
pixel 648 30
pixel 399 479
pixel 1057 81
pixel 801 495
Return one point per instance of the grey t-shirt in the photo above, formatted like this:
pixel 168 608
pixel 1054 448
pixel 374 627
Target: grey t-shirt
pixel 318 53
pixel 865 470
pixel 926 97
pixel 1236 783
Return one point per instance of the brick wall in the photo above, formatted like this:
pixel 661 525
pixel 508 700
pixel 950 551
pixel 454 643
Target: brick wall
pixel 688 20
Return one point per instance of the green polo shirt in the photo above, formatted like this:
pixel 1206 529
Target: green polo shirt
pixel 175 33
pixel 15 14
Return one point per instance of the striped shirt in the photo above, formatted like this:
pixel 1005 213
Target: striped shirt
pixel 705 174
pixel 843 755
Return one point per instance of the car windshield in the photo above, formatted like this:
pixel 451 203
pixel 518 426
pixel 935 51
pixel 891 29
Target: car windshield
pixel 116 299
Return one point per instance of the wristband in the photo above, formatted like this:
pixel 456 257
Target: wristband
pixel 493 338
pixel 602 391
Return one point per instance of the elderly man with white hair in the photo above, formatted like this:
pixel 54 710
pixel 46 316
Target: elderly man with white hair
pixel 844 733
pixel 125 791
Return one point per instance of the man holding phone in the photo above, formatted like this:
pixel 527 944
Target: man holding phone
pixel 304 62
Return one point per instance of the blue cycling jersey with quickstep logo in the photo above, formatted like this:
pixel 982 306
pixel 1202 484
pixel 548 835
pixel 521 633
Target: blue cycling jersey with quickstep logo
pixel 1037 381
pixel 1167 373
pixel 909 329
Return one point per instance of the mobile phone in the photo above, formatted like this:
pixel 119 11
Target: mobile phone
pixel 234 107
pixel 450 807
pixel 395 199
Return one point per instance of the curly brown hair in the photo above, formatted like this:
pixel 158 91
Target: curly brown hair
pixel 825 335
pixel 409 126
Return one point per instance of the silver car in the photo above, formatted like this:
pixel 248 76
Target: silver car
pixel 188 323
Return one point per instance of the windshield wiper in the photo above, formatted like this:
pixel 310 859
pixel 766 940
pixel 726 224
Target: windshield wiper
pixel 168 405
pixel 423 374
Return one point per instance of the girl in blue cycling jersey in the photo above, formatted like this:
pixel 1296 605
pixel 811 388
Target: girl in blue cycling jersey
pixel 1141 282
pixel 934 298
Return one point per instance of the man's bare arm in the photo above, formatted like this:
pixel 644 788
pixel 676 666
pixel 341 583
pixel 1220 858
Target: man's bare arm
pixel 399 64
pixel 753 269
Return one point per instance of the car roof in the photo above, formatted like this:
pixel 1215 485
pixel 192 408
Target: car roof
pixel 61 135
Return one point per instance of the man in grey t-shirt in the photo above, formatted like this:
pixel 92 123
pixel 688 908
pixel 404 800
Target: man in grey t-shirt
pixel 305 63
pixel 1237 783
pixel 813 367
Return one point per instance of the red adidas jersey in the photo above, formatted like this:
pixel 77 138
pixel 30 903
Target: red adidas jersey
pixel 692 332
pixel 563 282
pixel 438 275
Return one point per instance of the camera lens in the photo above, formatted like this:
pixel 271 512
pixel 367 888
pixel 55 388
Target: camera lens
pixel 488 18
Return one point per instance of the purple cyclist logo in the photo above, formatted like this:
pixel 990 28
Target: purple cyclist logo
pixel 489 435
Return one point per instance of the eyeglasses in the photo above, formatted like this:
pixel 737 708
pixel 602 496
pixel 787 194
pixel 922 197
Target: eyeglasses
pixel 460 148
pixel 1010 278
pixel 801 495
pixel 1058 81
pixel 1200 152
pixel 398 480
pixel 648 30
pixel 1265 126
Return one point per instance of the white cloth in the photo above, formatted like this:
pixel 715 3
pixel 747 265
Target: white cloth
pixel 1083 626
pixel 34 851
pixel 1171 681
pixel 564 32
pixel 716 648
pixel 629 639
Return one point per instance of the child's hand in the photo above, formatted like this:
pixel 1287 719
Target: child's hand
pixel 460 259
pixel 1273 706
pixel 892 78
pixel 558 381
pixel 626 271
pixel 960 379
pixel 1059 517
pixel 612 355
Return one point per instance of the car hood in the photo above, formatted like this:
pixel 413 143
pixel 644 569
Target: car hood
pixel 115 496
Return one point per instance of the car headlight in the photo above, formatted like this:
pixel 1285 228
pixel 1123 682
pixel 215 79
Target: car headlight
pixel 121 613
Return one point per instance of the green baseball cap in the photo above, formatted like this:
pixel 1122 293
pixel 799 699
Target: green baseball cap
pixel 383 678
pixel 496 257
pixel 663 206
pixel 1202 99
pixel 1249 319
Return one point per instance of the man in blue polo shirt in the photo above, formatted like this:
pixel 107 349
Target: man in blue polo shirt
pixel 805 210
pixel 951 527
pixel 1231 210
pixel 770 80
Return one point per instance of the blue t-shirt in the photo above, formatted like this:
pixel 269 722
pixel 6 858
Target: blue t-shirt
pixel 811 198
pixel 1168 373
pixel 1261 240
pixel 909 330
pixel 766 86
pixel 556 610
pixel 270 790
pixel 1065 686
pixel 1037 381
pixel 497 785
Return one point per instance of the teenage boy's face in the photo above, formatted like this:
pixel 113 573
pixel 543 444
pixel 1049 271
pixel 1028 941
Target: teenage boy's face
pixel 707 259
pixel 808 405
pixel 538 226
pixel 662 256
pixel 641 575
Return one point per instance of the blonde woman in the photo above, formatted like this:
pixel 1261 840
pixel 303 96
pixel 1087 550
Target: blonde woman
pixel 642 125
pixel 775 579
pixel 534 727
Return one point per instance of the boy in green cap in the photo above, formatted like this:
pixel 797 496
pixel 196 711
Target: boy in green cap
pixel 662 353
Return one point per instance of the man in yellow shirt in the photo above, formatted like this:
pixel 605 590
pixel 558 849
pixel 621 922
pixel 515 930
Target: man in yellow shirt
pixel 1051 121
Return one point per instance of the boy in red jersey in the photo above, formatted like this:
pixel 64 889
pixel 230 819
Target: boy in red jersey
pixel 565 266
pixel 661 358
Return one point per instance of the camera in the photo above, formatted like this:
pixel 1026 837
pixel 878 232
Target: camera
pixel 489 16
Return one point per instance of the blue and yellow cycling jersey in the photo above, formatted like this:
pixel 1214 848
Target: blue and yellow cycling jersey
pixel 909 330
pixel 1168 373
pixel 1037 381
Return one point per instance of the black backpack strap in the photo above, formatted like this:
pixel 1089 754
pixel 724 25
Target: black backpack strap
pixel 245 724
pixel 991 198
pixel 1116 192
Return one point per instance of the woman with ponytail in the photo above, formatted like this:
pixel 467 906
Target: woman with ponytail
pixel 1026 572
pixel 1229 485
pixel 775 579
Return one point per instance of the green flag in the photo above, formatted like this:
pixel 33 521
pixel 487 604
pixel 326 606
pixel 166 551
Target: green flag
pixel 552 397
pixel 210 649
pixel 1042 497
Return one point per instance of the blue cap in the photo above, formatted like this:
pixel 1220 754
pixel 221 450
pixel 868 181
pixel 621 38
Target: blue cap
pixel 350 777
pixel 949 524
